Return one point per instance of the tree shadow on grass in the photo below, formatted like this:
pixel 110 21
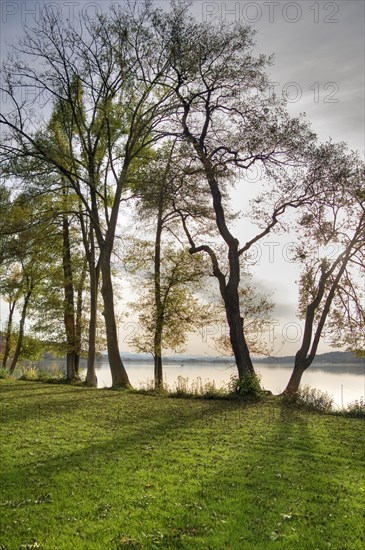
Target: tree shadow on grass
pixel 176 474
pixel 19 403
pixel 128 445
pixel 108 431
pixel 286 491
pixel 119 469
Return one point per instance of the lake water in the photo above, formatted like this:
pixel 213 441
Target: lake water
pixel 345 383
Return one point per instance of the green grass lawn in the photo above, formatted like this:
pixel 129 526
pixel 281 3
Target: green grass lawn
pixel 99 469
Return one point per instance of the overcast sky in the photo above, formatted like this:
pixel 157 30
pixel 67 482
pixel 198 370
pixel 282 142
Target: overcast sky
pixel 319 63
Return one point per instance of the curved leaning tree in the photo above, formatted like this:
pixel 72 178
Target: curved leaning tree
pixel 222 114
pixel 331 249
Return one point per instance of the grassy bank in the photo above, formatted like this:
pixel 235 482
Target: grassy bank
pixel 99 469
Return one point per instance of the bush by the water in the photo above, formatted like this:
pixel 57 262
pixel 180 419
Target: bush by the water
pixel 32 372
pixel 197 388
pixel 356 409
pixel 248 385
pixel 311 398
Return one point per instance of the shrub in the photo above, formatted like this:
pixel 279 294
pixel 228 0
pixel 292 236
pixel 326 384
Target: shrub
pixel 148 388
pixel 82 374
pixel 181 388
pixel 207 389
pixel 32 372
pixel 197 388
pixel 248 385
pixel 312 398
pixel 355 409
pixel 4 373
pixel 29 373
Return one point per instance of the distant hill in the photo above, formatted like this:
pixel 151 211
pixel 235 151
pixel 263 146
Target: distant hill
pixel 333 357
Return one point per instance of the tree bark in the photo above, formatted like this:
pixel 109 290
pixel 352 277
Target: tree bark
pixel 79 312
pixel 105 243
pixel 158 371
pixel 69 305
pixel 118 372
pixel 21 331
pixel 295 378
pixel 8 333
pixel 311 337
pixel 157 343
pixel 91 379
pixel 237 337
pixel 229 290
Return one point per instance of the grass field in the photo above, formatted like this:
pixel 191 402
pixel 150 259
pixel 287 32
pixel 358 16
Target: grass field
pixel 100 469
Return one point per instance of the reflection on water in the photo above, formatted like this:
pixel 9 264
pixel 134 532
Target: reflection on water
pixel 345 383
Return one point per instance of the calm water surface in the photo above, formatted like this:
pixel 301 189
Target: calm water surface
pixel 345 384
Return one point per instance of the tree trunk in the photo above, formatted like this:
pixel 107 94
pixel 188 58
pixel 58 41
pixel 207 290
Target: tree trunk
pixel 158 372
pixel 8 333
pixel 89 246
pixel 236 334
pixel 295 378
pixel 79 311
pixel 106 242
pixel 157 343
pixel 69 306
pixel 118 372
pixel 307 352
pixel 229 291
pixel 21 332
pixel 91 379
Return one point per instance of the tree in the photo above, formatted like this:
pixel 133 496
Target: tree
pixel 10 289
pixel 99 80
pixel 9 274
pixel 94 272
pixel 164 188
pixel 256 309
pixel 50 272
pixel 5 204
pixel 218 83
pixel 165 320
pixel 25 263
pixel 69 295
pixel 70 209
pixel 58 310
pixel 331 299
